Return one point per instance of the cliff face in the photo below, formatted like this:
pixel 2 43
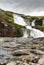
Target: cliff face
pixel 7 27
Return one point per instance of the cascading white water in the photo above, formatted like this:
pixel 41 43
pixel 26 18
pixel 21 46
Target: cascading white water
pixel 33 23
pixel 25 34
pixel 19 20
pixel 35 33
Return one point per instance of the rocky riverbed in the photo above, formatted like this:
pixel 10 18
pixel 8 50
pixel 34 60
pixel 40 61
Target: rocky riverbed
pixel 21 51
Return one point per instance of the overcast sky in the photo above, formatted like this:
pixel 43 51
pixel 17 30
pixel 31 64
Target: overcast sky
pixel 28 7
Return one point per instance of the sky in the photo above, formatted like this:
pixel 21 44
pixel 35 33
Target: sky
pixel 27 7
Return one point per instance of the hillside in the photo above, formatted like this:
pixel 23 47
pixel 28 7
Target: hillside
pixel 9 29
pixel 7 26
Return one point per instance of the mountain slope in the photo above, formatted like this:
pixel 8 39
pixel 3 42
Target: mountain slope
pixel 7 25
pixel 10 29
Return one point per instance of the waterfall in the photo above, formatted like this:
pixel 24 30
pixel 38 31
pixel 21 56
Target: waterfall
pixel 35 33
pixel 33 23
pixel 25 34
pixel 19 20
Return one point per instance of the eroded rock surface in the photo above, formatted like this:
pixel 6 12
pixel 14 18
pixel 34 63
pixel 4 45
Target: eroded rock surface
pixel 19 51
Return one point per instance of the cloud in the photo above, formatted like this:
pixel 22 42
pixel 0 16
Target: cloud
pixel 23 6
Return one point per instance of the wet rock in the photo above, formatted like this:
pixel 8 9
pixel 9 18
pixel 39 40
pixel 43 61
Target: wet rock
pixel 30 63
pixel 11 63
pixel 42 48
pixel 19 53
pixel 33 47
pixel 22 51
pixel 28 58
pixel 25 63
pixel 2 63
pixel 41 61
pixel 39 52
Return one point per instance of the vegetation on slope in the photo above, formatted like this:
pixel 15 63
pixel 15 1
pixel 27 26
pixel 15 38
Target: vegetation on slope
pixel 11 29
pixel 7 25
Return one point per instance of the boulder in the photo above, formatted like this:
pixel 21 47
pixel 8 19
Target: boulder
pixel 41 61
